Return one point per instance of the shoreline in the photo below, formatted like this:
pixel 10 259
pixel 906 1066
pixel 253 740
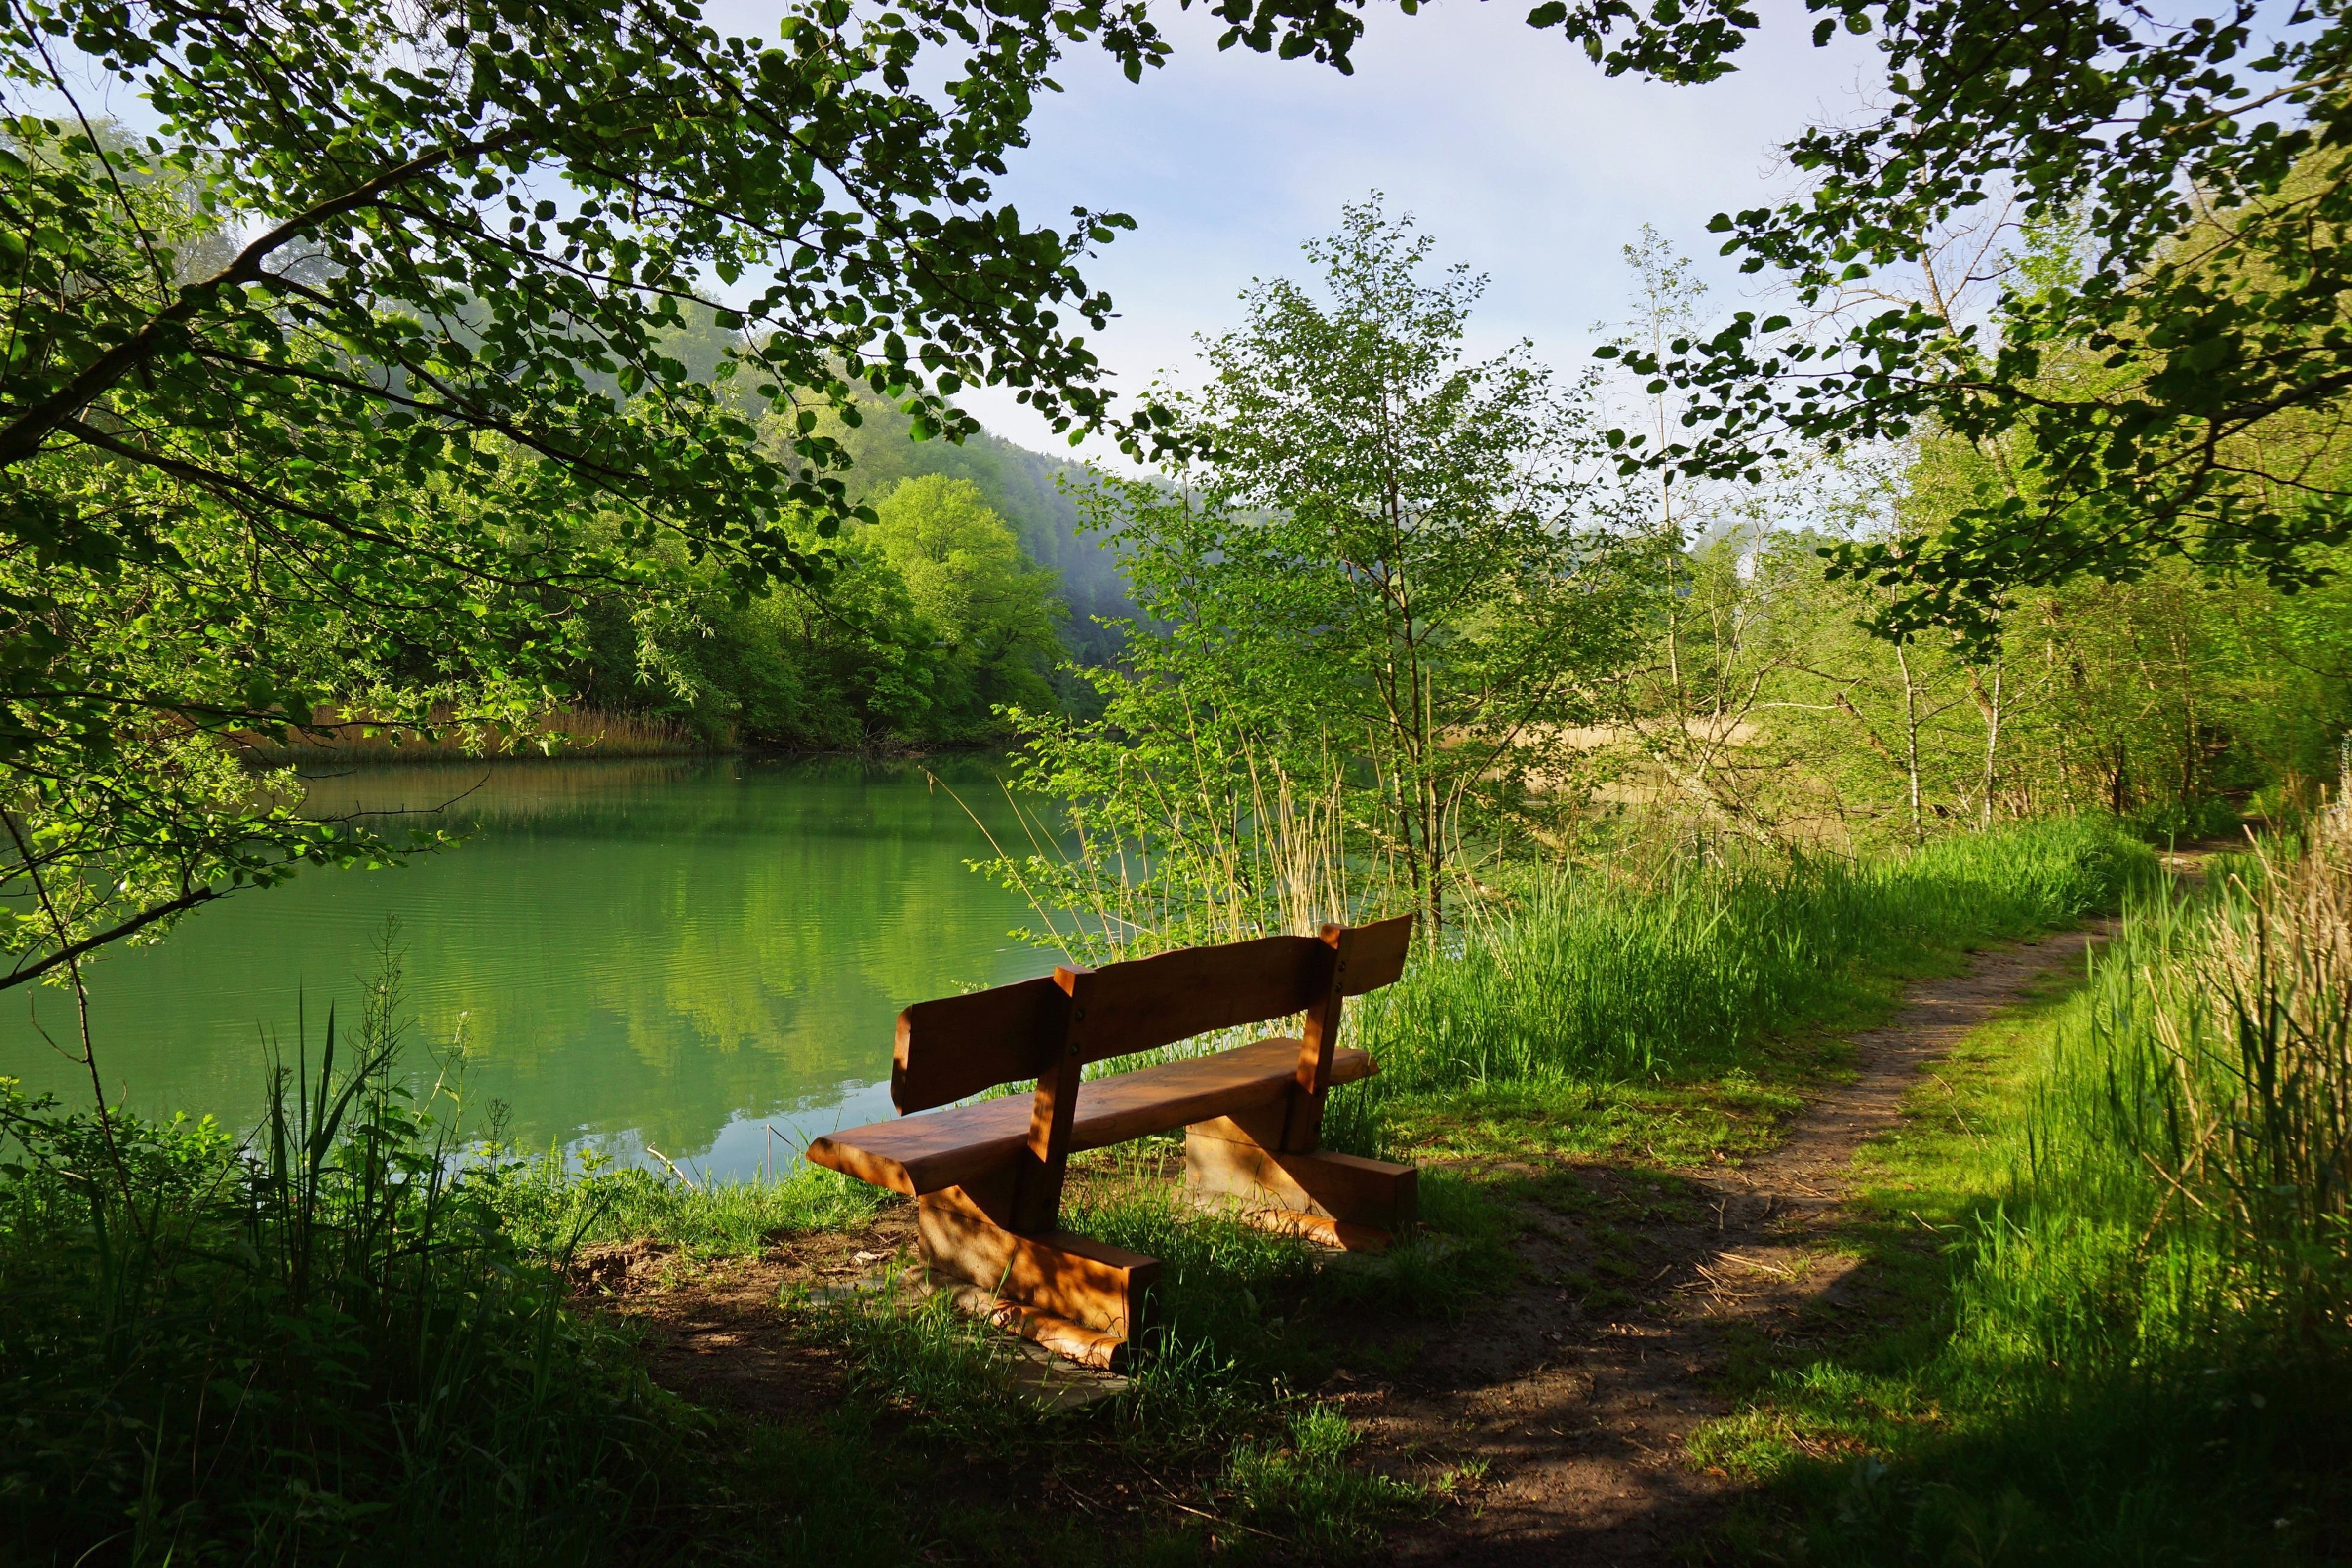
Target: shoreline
pixel 420 755
pixel 577 734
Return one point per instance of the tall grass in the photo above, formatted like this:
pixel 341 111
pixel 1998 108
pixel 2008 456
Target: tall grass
pixel 2181 1182
pixel 1585 977
pixel 318 1344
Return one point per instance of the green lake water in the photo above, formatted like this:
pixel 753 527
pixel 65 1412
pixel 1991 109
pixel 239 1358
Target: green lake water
pixel 704 957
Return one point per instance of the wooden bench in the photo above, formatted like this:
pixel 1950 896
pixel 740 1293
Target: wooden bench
pixel 987 1177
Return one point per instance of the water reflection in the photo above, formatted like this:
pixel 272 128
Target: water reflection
pixel 678 955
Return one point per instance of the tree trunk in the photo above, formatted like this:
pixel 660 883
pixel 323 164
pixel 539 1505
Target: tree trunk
pixel 1911 741
pixel 1989 706
pixel 1432 812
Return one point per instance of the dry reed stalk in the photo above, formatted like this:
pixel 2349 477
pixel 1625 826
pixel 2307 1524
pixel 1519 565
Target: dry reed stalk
pixel 337 736
pixel 2256 1025
pixel 1235 847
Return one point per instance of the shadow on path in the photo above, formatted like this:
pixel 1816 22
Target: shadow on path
pixel 1580 1412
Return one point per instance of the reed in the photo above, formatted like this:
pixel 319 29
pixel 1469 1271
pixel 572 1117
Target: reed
pixel 1228 847
pixel 2181 1179
pixel 2244 1103
pixel 315 1343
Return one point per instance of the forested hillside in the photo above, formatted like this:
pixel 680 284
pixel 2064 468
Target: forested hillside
pixel 1022 485
pixel 1026 488
pixel 869 658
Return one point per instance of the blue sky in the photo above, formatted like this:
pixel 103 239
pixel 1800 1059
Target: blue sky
pixel 1520 158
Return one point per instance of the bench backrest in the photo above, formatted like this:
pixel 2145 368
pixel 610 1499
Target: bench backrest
pixel 959 1045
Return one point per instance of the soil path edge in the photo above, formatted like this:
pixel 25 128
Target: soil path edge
pixel 1579 1416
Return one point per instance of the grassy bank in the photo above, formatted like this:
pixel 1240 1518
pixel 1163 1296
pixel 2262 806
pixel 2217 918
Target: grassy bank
pixel 356 1337
pixel 2113 1259
pixel 1613 1004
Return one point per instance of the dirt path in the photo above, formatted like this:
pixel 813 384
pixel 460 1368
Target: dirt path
pixel 1576 1390
pixel 1579 1412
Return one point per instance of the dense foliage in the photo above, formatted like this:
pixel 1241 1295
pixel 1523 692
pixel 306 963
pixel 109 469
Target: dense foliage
pixel 2165 389
pixel 1034 492
pixel 1775 703
pixel 1767 710
pixel 350 384
pixel 926 623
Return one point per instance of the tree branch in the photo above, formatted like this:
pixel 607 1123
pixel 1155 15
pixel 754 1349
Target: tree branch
pixel 22 437
pixel 136 923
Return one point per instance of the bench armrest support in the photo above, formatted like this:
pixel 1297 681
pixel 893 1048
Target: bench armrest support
pixel 1045 1159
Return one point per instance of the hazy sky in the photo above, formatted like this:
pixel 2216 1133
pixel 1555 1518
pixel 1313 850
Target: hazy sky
pixel 1520 157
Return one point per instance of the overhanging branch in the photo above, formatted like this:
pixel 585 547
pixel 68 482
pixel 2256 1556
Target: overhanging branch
pixel 136 923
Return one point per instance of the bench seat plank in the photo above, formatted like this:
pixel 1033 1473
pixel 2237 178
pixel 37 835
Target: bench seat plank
pixel 935 1149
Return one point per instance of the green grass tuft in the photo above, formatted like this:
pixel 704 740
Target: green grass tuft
pixel 1302 1484
pixel 550 1207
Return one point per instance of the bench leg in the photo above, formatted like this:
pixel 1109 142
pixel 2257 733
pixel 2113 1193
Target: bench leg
pixel 1074 1296
pixel 1355 1204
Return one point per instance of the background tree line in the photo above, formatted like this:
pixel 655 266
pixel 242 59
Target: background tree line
pixel 1791 704
pixel 1766 709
